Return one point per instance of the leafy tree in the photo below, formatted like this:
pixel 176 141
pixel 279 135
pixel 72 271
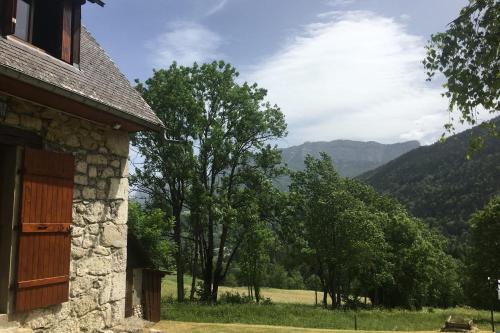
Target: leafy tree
pixel 468 56
pixel 365 244
pixel 342 234
pixel 255 255
pixel 151 227
pixel 168 156
pixel 483 257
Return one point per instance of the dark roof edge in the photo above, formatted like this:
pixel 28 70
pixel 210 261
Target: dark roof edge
pixel 157 127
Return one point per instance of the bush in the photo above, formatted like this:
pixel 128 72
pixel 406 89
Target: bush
pixel 234 298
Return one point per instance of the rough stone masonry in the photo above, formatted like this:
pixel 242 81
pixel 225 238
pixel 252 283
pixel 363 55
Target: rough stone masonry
pixel 99 230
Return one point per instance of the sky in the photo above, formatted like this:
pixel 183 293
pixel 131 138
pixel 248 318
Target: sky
pixel 338 69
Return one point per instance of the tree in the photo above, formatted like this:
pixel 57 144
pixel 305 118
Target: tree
pixel 217 144
pixel 168 155
pixel 365 244
pixel 254 254
pixel 483 258
pixel 343 235
pixel 468 56
pixel 151 228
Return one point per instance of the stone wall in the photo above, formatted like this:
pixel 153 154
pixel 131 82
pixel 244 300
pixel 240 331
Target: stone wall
pixel 99 231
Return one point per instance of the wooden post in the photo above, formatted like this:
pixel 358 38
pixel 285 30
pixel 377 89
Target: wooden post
pixel 492 305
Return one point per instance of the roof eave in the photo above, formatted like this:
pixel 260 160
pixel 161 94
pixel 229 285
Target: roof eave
pixel 146 124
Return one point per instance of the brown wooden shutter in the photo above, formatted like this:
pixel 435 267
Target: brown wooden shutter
pixel 8 16
pixel 44 233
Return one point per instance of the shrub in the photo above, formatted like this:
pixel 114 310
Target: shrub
pixel 234 298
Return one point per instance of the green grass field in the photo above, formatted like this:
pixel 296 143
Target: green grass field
pixel 294 308
pixel 277 295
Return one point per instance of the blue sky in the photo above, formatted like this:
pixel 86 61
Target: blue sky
pixel 339 69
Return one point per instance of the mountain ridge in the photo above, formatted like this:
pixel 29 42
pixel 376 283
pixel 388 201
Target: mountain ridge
pixel 350 157
pixel 439 184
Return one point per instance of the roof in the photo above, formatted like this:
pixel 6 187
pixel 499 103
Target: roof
pixel 98 80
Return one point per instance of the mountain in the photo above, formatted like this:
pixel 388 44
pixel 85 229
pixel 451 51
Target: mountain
pixel 351 158
pixel 438 183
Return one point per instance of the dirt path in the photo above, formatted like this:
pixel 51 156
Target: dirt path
pixel 184 327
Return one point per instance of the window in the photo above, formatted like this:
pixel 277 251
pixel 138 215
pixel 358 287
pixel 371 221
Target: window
pixel 23 13
pixel 47 26
pixel 53 26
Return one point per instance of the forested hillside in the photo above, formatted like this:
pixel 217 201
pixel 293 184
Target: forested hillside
pixel 439 184
pixel 351 158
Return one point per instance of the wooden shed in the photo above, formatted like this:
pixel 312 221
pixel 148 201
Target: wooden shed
pixel 143 291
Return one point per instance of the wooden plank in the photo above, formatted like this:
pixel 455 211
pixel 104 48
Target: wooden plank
pixel 48 164
pixel 43 227
pixel 14 136
pixel 76 31
pixel 66 30
pixel 129 291
pixel 42 282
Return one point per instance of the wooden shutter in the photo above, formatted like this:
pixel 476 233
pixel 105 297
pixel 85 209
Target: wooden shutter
pixel 67 17
pixel 44 232
pixel 151 294
pixel 8 16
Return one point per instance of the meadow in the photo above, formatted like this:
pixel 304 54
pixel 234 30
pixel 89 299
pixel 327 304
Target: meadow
pixel 295 308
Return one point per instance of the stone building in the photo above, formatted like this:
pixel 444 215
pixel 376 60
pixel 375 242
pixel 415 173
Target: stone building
pixel 65 115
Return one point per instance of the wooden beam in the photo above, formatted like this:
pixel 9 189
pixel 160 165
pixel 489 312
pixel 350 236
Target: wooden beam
pixel 67 30
pixel 14 136
pixel 45 227
pixel 77 24
pixel 42 282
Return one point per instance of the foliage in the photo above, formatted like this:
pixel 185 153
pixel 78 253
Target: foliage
pixel 255 254
pixel 483 256
pixel 468 56
pixel 229 297
pixel 150 227
pixel 438 184
pixel 168 155
pixel 215 158
pixel 367 245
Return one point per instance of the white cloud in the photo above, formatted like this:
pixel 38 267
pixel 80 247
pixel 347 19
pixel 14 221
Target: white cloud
pixel 218 6
pixel 337 3
pixel 186 43
pixel 355 75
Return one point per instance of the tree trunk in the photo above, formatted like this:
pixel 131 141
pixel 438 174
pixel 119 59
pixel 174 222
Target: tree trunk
pixel 257 293
pixel 325 298
pixel 209 257
pixel 194 271
pixel 178 256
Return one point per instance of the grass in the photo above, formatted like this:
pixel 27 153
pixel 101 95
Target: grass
pixel 307 316
pixel 185 327
pixel 277 295
pixel 293 308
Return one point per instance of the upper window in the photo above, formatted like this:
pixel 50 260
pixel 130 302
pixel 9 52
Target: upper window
pixel 52 26
pixel 23 13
